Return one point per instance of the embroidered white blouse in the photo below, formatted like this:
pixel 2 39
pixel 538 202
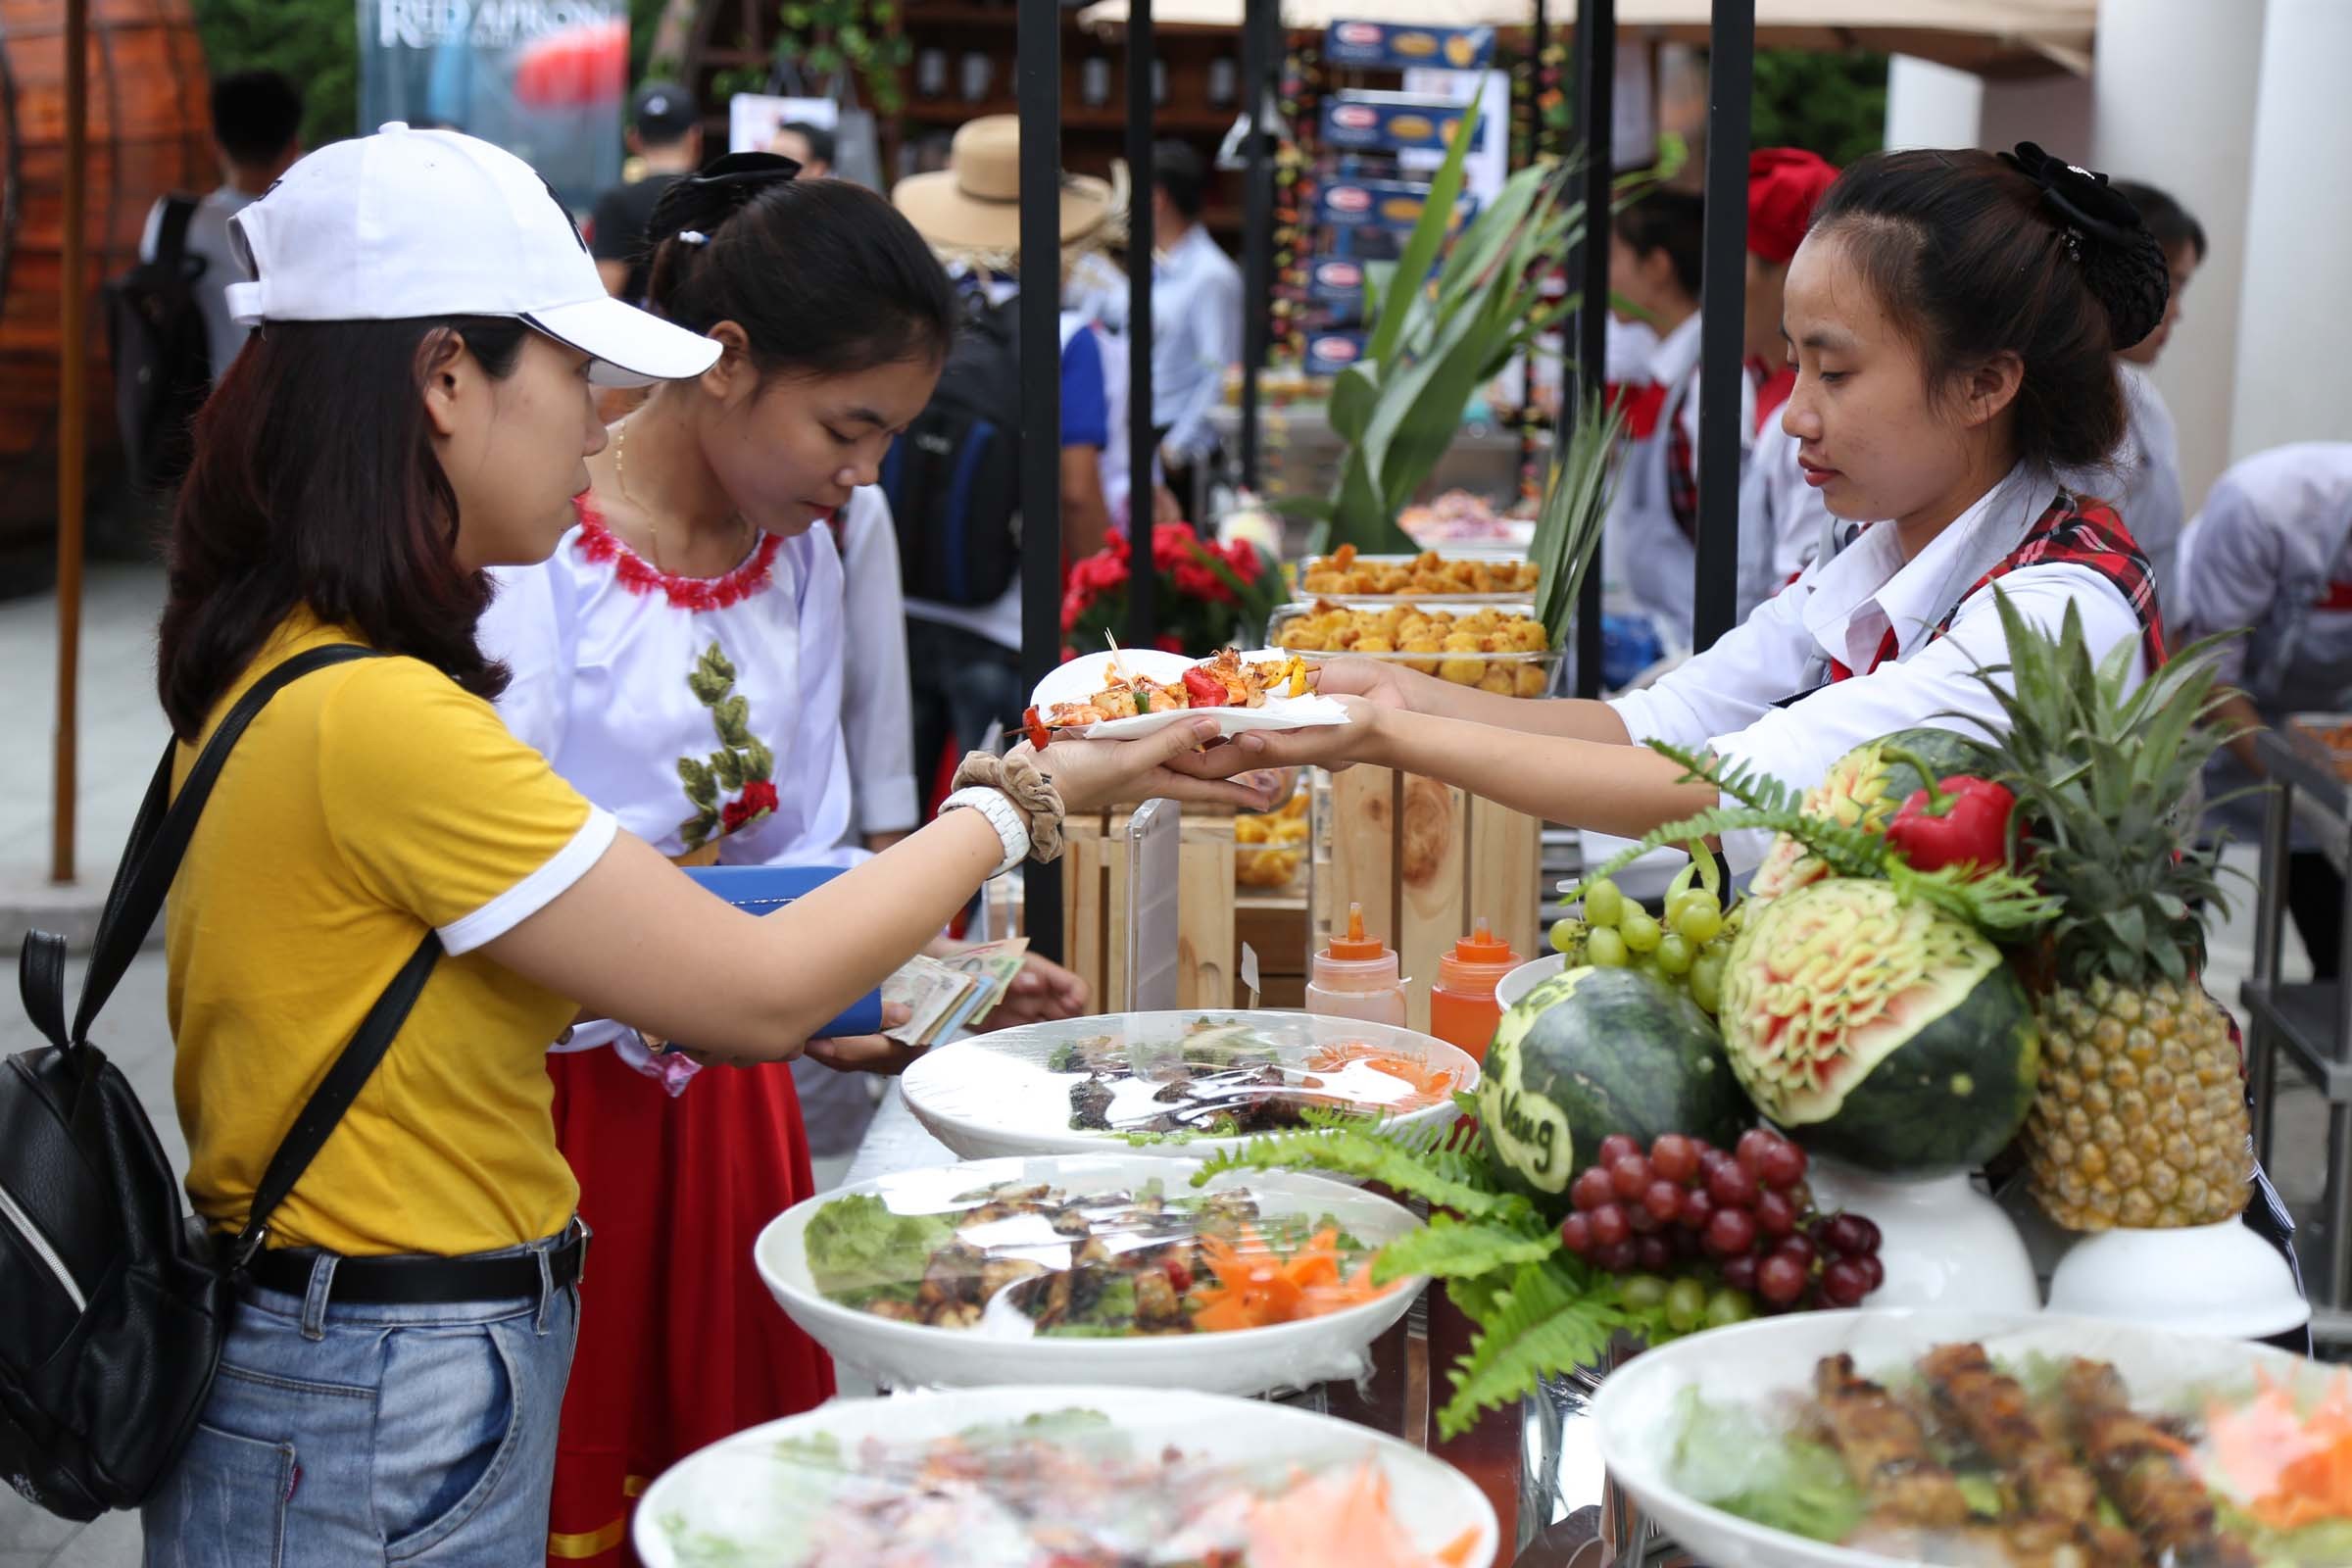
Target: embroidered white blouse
pixel 695 710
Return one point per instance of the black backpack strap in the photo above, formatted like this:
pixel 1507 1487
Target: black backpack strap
pixel 160 838
pixel 172 229
pixel 333 1096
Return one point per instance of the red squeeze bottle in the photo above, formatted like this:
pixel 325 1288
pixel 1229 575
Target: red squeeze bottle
pixel 1462 1009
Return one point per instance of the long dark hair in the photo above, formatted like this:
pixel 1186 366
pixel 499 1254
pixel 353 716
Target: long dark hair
pixel 314 483
pixel 1973 258
pixel 825 277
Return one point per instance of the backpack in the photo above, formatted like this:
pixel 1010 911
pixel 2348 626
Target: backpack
pixel 954 479
pixel 161 352
pixel 118 1303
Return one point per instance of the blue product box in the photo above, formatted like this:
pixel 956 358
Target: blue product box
pixel 1393 121
pixel 1396 46
pixel 1330 352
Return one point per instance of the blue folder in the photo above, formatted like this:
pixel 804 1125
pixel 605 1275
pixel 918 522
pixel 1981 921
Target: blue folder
pixel 765 889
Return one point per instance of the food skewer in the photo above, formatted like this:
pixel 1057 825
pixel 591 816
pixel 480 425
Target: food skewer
pixel 1886 1451
pixel 2140 1466
pixel 2059 1499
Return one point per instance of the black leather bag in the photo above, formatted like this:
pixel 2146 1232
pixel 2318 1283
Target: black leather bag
pixel 117 1301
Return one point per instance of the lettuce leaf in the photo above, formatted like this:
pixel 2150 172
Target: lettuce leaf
pixel 859 1252
pixel 1729 1457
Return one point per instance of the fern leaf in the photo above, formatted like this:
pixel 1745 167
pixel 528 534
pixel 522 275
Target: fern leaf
pixel 1545 1323
pixel 1449 1248
pixel 1442 1176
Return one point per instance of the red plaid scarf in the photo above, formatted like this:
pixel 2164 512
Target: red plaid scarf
pixel 2085 533
pixel 1682 472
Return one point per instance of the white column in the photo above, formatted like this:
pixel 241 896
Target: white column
pixel 1928 105
pixel 2294 365
pixel 2175 106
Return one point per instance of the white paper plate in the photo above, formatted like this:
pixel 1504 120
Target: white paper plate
pixel 1081 678
pixel 994 1094
pixel 1244 1361
pixel 725 1503
pixel 1639 1418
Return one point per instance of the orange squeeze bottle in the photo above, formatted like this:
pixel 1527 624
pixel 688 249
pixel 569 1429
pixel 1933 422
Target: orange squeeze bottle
pixel 1462 1009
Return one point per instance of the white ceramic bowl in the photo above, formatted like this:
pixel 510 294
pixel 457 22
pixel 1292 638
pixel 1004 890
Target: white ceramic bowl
pixel 2204 1279
pixel 1944 1243
pixel 994 1095
pixel 1512 988
pixel 1242 1363
pixel 735 1502
pixel 1638 1416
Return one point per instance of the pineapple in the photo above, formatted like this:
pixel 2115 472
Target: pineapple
pixel 2139 1119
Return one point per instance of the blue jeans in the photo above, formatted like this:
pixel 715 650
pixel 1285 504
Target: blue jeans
pixel 372 1434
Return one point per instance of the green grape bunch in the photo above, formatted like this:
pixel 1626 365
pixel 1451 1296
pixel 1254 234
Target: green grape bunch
pixel 1686 947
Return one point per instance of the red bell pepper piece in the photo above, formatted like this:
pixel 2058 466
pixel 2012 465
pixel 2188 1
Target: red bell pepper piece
pixel 1961 821
pixel 1035 727
pixel 1204 690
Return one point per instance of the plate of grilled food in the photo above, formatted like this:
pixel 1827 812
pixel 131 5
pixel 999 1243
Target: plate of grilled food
pixel 1961 1440
pixel 1127 694
pixel 1092 1268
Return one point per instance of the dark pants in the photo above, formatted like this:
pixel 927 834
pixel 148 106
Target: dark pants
pixel 962 683
pixel 1184 477
pixel 2314 901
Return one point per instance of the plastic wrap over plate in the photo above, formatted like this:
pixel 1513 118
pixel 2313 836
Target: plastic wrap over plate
pixel 1076 1476
pixel 1091 1268
pixel 1179 1083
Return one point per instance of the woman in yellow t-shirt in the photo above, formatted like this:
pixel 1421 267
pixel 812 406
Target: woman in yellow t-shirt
pixel 418 407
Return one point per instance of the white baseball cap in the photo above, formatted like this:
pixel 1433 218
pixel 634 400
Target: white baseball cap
pixel 408 223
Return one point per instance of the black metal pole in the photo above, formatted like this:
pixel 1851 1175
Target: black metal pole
pixel 1038 83
pixel 1540 39
pixel 1143 610
pixel 1722 304
pixel 1589 270
pixel 1261 49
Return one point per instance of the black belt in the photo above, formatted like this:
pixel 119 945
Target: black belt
pixel 411 1281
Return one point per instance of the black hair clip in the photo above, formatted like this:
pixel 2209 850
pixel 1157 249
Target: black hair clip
pixel 2081 197
pixel 744 169
pixel 693 209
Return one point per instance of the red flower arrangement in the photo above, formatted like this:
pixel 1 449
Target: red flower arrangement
pixel 1209 596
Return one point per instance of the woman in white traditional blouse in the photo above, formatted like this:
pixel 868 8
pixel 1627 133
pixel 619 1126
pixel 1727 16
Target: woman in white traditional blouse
pixel 680 660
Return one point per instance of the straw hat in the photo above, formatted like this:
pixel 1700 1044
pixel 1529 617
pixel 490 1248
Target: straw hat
pixel 971 210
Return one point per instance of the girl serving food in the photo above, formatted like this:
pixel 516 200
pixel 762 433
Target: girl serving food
pixel 1953 317
pixel 417 409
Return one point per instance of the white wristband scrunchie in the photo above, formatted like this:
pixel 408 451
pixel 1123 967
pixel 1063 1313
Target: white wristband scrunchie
pixel 1002 816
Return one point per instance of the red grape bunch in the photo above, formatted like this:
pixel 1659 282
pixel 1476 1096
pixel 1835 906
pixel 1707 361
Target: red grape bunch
pixel 1745 1217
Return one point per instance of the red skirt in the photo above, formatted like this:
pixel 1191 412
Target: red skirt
pixel 680 1342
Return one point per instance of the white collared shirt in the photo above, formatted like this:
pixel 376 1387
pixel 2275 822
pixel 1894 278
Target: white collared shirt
pixel 1196 333
pixel 1782 520
pixel 2274 533
pixel 1644 550
pixel 2143 482
pixel 1841 608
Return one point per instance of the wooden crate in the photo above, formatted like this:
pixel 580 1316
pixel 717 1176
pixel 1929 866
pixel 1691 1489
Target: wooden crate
pixel 1093 910
pixel 1426 860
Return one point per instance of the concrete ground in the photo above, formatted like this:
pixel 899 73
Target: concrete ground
pixel 122 734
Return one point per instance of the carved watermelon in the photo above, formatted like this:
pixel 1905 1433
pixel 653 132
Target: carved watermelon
pixel 1883 1033
pixel 1594 1051
pixel 1863 788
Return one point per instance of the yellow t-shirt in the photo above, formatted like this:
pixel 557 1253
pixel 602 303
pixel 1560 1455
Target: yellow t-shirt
pixel 368 802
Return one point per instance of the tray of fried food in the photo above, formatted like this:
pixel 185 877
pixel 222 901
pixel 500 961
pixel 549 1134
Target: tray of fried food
pixel 1129 693
pixel 1269 847
pixel 1486 576
pixel 1495 648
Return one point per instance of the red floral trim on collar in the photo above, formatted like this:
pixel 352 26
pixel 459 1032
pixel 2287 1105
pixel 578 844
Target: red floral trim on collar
pixel 638 575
